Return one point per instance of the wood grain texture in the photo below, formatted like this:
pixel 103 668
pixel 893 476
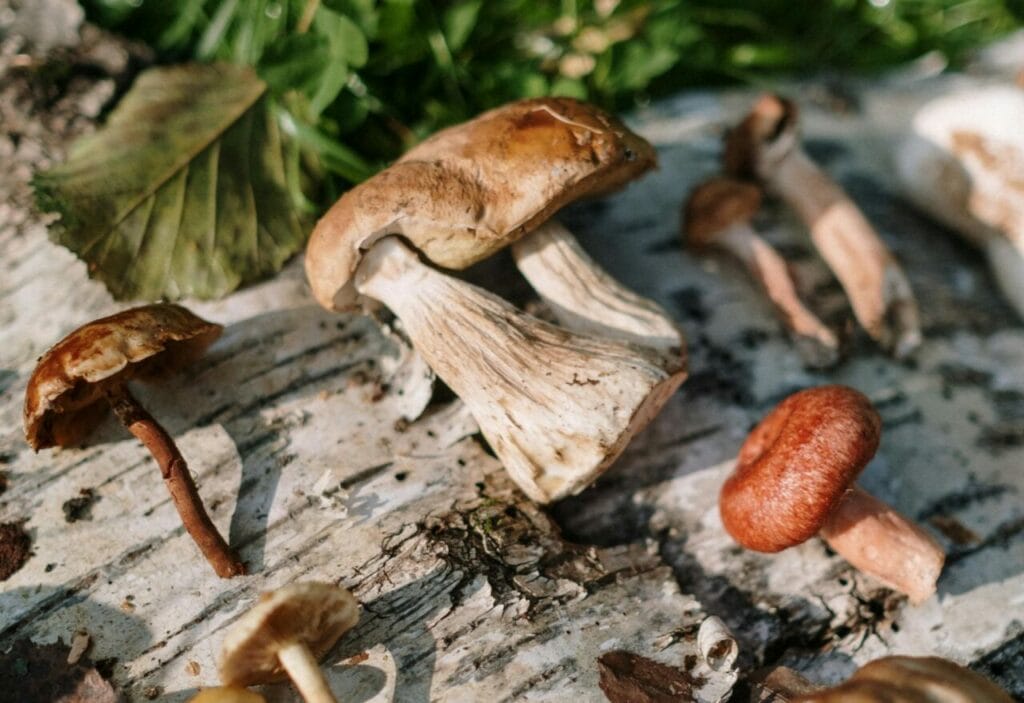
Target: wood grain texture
pixel 301 428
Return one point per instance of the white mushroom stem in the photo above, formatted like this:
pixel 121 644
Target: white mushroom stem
pixel 556 407
pixel 586 299
pixel 879 291
pixel 304 671
pixel 877 540
pixel 816 343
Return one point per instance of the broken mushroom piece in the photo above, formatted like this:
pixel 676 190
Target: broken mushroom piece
pixel 766 146
pixel 718 213
pixel 86 373
pixel 285 635
pixel 556 407
pixel 963 164
pixel 227 694
pixel 794 478
pixel 911 680
pixel 586 299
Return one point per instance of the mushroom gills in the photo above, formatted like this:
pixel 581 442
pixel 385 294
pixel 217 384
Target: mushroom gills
pixel 556 407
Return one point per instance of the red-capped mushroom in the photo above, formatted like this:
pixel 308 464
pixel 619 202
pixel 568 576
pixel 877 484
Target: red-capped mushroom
pixel 766 146
pixel 86 373
pixel 795 477
pixel 718 214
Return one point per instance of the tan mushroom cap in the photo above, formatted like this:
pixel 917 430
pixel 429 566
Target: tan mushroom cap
pixel 770 118
pixel 475 188
pixel 227 694
pixel 148 342
pixel 912 680
pixel 315 614
pixel 716 205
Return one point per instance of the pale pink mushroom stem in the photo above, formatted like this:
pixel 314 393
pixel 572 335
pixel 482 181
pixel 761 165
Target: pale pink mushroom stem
pixel 878 289
pixel 816 342
pixel 879 541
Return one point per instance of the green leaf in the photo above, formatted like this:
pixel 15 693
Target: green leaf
pixel 346 40
pixel 182 192
pixel 296 62
pixel 459 21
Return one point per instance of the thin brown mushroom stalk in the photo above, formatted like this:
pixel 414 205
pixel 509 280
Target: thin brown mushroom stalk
pixel 718 214
pixel 963 164
pixel 592 395
pixel 586 299
pixel 86 373
pixel 794 478
pixel 557 406
pixel 766 146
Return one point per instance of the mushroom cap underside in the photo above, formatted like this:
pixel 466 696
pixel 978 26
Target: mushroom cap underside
pixel 902 679
pixel 796 465
pixel 147 342
pixel 315 614
pixel 473 189
pixel 716 205
pixel 771 118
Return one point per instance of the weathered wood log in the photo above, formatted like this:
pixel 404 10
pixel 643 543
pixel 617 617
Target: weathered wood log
pixel 319 453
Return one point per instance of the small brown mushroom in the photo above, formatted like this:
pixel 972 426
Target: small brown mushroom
pixel 557 407
pixel 718 213
pixel 227 694
pixel 962 163
pixel 766 146
pixel 285 635
pixel 794 478
pixel 911 680
pixel 86 373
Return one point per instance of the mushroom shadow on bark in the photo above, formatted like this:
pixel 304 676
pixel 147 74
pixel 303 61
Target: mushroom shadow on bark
pixel 63 611
pixel 261 363
pixel 398 620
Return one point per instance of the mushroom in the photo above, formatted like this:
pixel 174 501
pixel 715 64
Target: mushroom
pixel 962 164
pixel 718 213
pixel 794 478
pixel 86 373
pixel 285 635
pixel 557 406
pixel 227 694
pixel 765 146
pixel 912 680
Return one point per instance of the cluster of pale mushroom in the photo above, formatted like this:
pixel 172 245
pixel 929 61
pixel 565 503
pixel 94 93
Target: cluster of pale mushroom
pixel 763 152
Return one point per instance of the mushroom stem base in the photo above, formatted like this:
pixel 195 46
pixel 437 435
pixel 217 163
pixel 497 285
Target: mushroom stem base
pixel 879 541
pixel 178 480
pixel 304 671
pixel 876 285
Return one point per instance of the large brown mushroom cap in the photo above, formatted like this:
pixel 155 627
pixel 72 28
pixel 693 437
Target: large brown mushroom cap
pixel 716 205
pixel 796 465
pixel 475 188
pixel 912 680
pixel 315 614
pixel 148 342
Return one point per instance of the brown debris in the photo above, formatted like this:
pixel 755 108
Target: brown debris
pixel 42 674
pixel 630 678
pixel 15 548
